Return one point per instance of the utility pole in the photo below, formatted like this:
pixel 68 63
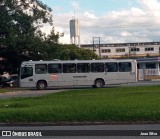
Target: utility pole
pixel 97 41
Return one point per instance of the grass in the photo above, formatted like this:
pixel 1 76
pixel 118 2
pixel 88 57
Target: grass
pixel 121 104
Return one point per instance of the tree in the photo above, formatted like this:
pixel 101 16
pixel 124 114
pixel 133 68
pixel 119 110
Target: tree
pixel 72 52
pixel 21 38
pixel 20 35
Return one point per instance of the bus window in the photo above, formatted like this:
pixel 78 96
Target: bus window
pixel 54 68
pixel 97 67
pixel 111 67
pixel 69 68
pixel 26 72
pixel 41 68
pixel 125 67
pixel 83 67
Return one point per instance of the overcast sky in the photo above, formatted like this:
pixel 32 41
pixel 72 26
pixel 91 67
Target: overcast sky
pixel 114 21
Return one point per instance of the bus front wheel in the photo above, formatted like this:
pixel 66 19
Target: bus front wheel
pixel 99 83
pixel 41 85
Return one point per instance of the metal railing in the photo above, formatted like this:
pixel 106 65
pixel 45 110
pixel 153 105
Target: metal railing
pixel 142 73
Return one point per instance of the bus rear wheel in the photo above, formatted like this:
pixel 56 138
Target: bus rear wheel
pixel 99 83
pixel 41 85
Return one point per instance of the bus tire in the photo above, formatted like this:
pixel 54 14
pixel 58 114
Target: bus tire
pixel 41 85
pixel 99 83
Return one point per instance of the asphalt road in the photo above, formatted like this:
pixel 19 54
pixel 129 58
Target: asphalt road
pixel 88 131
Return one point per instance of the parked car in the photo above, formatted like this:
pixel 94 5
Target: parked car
pixel 11 82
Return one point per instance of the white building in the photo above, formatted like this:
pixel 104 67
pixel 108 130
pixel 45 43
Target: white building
pixel 147 55
pixel 125 50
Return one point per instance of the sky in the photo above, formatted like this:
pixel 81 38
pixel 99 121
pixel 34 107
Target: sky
pixel 114 21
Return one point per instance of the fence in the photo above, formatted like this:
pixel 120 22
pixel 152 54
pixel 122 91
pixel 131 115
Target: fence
pixel 148 74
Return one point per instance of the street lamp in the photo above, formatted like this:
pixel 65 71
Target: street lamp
pixel 96 40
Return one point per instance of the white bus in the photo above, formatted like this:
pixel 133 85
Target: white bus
pixel 96 73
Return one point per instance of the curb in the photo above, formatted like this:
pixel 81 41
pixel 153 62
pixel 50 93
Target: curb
pixel 79 123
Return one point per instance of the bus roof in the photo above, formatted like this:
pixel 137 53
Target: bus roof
pixel 77 61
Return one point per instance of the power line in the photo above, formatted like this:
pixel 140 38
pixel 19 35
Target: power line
pixel 109 27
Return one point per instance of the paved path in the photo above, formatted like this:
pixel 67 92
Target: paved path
pixel 27 93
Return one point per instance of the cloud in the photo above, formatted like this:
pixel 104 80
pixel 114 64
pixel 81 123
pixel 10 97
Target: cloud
pixel 90 15
pixel 134 24
pixel 150 4
pixel 126 34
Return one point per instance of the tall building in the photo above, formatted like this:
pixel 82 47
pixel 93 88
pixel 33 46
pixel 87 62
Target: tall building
pixel 74 32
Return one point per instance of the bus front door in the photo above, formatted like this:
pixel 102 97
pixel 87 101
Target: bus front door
pixel 27 77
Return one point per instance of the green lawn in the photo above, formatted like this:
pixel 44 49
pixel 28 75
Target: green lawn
pixel 122 104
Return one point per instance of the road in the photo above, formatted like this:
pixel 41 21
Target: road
pixel 144 83
pixel 88 131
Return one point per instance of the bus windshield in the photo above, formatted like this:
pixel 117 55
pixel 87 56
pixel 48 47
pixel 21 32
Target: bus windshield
pixel 26 72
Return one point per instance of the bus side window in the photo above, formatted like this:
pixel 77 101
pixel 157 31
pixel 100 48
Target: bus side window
pixel 111 67
pixel 97 67
pixel 54 68
pixel 125 67
pixel 41 68
pixel 83 67
pixel 69 68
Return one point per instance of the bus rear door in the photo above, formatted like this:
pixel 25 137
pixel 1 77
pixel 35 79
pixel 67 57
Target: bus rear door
pixel 127 72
